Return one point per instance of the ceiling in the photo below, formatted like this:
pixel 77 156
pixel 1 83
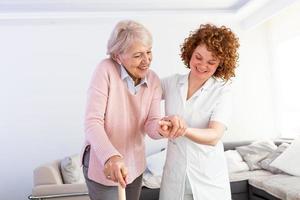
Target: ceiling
pixel 7 6
pixel 248 12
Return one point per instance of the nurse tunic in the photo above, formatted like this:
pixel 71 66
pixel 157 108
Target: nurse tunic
pixel 203 165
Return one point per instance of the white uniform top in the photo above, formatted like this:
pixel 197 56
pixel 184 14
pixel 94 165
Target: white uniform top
pixel 203 165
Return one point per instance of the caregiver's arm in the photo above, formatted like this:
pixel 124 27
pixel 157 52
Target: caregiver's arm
pixel 209 136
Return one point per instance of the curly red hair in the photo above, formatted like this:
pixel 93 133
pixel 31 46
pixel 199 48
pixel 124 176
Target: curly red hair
pixel 221 41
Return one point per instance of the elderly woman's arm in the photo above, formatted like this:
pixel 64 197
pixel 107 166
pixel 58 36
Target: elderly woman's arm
pixel 152 122
pixel 94 116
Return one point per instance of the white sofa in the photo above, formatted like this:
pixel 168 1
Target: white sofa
pixel 253 185
pixel 48 184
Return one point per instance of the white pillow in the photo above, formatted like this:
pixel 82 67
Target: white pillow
pixel 155 163
pixel 71 170
pixel 154 146
pixel 235 162
pixel 265 164
pixel 256 152
pixel 289 160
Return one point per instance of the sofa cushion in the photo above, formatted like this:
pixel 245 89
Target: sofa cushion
pixel 235 162
pixel 256 152
pixel 150 180
pixel 240 176
pixel 234 145
pixel 282 186
pixel 71 170
pixel 289 160
pixel 155 162
pixel 265 163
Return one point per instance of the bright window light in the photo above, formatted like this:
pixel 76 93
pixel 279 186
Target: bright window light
pixel 288 85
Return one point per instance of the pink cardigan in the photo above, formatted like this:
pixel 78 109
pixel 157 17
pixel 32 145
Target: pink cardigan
pixel 116 120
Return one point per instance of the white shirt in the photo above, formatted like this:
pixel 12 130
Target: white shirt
pixel 204 165
pixel 130 82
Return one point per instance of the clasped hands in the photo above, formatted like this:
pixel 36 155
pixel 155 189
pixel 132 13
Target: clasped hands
pixel 172 127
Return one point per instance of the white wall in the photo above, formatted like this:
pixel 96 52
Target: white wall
pixel 45 68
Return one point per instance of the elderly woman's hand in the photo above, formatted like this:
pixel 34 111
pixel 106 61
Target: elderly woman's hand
pixel 115 170
pixel 172 127
pixel 164 128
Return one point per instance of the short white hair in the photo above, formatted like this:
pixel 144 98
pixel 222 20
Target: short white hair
pixel 124 34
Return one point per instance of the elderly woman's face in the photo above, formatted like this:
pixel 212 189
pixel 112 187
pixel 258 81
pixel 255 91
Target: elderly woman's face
pixel 137 60
pixel 203 64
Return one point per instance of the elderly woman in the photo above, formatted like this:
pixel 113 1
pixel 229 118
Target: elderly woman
pixel 123 103
pixel 199 103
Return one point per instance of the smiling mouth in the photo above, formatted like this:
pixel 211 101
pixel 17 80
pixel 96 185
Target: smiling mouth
pixel 201 71
pixel 143 68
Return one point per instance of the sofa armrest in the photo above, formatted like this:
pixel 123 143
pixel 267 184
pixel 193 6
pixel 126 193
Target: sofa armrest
pixel 47 174
pixel 234 144
pixel 59 190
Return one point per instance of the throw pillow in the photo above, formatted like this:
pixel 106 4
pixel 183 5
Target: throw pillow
pixel 71 170
pixel 289 160
pixel 235 162
pixel 256 152
pixel 155 163
pixel 265 164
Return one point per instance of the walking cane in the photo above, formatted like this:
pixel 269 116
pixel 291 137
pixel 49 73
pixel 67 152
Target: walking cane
pixel 121 192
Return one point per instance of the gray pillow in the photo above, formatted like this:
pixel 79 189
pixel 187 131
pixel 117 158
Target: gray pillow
pixel 265 163
pixel 256 152
pixel 71 170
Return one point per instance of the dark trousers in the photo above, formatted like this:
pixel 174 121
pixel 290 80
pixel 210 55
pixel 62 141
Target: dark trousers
pixel 98 191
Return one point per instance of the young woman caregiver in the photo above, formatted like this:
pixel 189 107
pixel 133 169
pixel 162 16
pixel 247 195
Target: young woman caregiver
pixel 199 103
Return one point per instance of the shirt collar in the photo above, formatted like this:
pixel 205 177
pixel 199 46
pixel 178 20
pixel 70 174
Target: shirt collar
pixel 125 75
pixel 207 85
pixel 183 79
